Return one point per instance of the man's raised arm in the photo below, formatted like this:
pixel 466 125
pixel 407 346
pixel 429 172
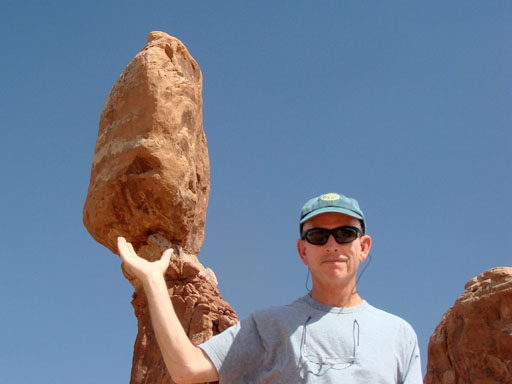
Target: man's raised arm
pixel 185 362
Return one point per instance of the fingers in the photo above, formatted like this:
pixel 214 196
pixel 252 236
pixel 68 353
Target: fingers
pixel 129 258
pixel 128 255
pixel 125 249
pixel 121 247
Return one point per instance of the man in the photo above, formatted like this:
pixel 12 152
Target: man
pixel 329 335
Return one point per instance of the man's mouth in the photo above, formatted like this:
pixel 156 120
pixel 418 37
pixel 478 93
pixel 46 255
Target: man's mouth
pixel 340 259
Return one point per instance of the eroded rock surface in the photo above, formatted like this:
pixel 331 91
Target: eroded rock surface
pixel 150 183
pixel 473 341
pixel 197 303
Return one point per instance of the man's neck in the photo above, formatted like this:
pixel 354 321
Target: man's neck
pixel 345 296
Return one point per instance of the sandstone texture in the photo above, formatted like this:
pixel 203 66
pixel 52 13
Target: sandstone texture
pixel 150 181
pixel 150 172
pixel 196 300
pixel 473 341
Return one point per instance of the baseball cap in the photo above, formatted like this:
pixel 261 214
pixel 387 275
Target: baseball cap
pixel 331 202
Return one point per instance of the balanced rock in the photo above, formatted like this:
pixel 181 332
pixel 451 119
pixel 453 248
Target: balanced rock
pixel 473 341
pixel 150 172
pixel 150 183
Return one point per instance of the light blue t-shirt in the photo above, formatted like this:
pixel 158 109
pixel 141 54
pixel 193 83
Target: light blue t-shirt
pixel 310 342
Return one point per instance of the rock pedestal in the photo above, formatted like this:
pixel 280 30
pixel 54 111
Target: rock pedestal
pixel 473 341
pixel 196 300
pixel 150 181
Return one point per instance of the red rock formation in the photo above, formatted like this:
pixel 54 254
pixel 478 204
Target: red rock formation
pixel 150 182
pixel 473 341
pixel 151 173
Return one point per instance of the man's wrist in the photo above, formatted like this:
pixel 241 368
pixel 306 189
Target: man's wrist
pixel 153 280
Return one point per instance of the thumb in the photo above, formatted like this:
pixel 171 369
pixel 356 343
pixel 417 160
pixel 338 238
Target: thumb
pixel 166 256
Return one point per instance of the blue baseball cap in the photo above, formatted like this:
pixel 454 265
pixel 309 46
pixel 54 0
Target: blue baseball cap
pixel 331 202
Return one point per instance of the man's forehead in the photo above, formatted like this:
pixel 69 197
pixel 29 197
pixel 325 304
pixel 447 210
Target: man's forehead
pixel 328 218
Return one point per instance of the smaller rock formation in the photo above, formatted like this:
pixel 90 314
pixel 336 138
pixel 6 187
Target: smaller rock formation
pixel 473 341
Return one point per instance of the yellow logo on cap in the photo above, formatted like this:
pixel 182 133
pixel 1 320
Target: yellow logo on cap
pixel 330 197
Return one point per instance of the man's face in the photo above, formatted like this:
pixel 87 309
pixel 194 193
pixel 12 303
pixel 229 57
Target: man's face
pixel 333 264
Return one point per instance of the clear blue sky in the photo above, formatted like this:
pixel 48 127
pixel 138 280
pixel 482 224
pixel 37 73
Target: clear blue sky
pixel 403 105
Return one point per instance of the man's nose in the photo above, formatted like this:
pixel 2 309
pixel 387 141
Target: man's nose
pixel 331 245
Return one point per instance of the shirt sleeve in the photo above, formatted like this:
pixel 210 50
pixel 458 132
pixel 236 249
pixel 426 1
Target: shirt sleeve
pixel 237 353
pixel 413 373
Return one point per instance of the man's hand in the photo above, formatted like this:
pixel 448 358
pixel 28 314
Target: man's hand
pixel 139 267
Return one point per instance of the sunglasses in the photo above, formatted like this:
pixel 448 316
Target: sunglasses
pixel 342 235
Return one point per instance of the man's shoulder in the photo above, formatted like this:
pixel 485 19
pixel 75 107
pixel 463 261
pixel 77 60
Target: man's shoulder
pixel 280 312
pixel 277 309
pixel 389 319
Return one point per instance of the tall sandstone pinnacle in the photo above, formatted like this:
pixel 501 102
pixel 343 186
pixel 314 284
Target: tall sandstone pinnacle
pixel 150 181
pixel 473 341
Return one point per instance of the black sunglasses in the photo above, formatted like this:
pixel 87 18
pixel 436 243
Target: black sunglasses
pixel 342 235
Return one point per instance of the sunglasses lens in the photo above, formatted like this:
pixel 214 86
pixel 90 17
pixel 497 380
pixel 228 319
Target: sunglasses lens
pixel 345 235
pixel 320 236
pixel 317 236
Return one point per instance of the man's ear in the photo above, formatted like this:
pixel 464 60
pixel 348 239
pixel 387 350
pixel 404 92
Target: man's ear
pixel 301 249
pixel 366 245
